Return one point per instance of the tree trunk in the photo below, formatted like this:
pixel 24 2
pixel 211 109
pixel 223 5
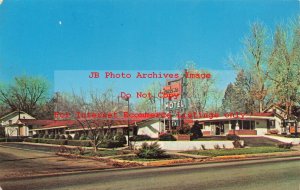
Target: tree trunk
pixel 260 106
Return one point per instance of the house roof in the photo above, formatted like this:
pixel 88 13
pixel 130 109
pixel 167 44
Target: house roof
pixel 74 125
pixel 13 113
pixel 77 124
pixel 35 122
pixel 275 106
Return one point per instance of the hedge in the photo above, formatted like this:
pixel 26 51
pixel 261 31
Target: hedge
pixel 111 144
pixel 140 138
pixel 10 140
pixel 167 137
pixel 32 140
pixel 85 143
pixel 232 137
pixel 54 141
pixel 79 143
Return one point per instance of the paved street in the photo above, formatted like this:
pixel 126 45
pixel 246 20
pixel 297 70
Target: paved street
pixel 21 163
pixel 275 174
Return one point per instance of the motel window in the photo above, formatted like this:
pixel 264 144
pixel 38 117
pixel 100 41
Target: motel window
pixel 233 124
pixel 271 124
pixel 246 125
pixel 252 125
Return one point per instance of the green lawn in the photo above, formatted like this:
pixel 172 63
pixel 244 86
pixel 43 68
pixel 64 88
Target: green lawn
pixel 240 151
pixel 209 139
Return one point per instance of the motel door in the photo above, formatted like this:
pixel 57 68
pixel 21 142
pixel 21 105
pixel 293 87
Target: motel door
pixel 217 128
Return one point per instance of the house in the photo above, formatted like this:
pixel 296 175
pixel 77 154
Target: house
pixel 271 119
pixel 10 122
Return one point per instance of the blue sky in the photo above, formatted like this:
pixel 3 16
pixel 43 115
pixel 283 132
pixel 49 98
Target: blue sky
pixel 44 37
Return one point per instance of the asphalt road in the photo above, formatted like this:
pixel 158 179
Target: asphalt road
pixel 15 163
pixel 274 174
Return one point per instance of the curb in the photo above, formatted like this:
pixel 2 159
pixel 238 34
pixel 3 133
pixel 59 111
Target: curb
pixel 208 162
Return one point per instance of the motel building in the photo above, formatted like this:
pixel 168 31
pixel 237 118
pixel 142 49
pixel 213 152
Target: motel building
pixel 21 125
pixel 272 120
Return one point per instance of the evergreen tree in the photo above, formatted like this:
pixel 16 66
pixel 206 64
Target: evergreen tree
pixel 228 100
pixel 237 96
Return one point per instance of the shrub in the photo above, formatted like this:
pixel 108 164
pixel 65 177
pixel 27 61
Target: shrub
pixel 63 149
pixel 185 129
pixel 83 137
pixel 69 137
pixel 285 145
pixel 196 131
pixel 51 136
pixel 121 138
pixel 151 151
pixel 232 137
pixel 273 131
pixel 90 135
pixel 111 144
pixel 2 140
pixel 85 143
pixel 140 138
pixel 79 150
pixel 56 136
pixel 237 144
pixel 166 137
pixel 62 137
pixel 76 136
pixel 2 132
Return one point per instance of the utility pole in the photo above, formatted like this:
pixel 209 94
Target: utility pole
pixel 128 110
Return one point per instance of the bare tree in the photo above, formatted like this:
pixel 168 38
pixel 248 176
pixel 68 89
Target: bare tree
pixel 152 103
pixel 284 66
pixel 97 131
pixel 254 65
pixel 26 93
pixel 198 90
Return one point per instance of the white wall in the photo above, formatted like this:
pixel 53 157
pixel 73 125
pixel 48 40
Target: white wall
pixel 261 131
pixel 189 145
pixel 11 131
pixel 260 124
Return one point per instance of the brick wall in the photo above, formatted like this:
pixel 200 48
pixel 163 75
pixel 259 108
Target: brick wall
pixel 243 132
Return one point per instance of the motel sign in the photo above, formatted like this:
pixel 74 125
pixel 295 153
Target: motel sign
pixel 174 105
